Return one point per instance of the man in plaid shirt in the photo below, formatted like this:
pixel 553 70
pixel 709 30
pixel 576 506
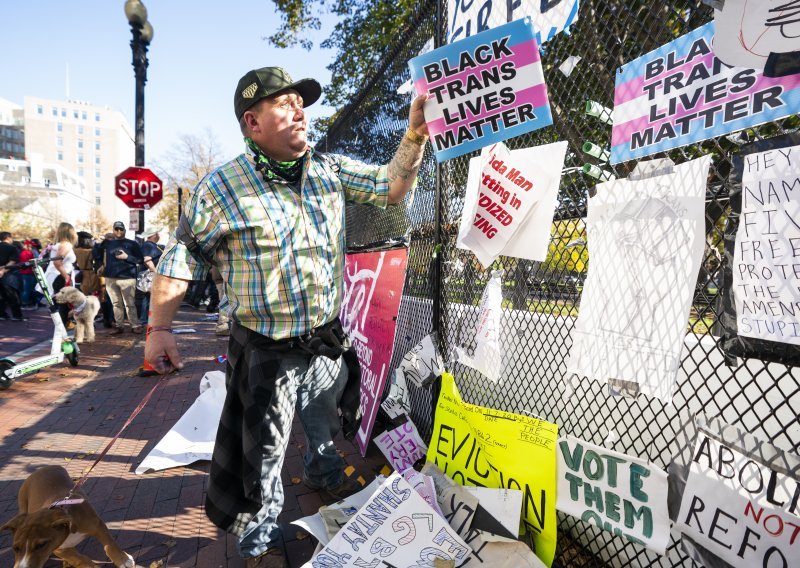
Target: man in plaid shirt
pixel 272 222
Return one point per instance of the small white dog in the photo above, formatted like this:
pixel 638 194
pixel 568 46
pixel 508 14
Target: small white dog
pixel 84 310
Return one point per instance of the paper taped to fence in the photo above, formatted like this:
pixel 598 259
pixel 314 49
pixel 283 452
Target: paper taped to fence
pixel 402 446
pixel 680 94
pixel 761 299
pixel 395 527
pixel 192 437
pixel 500 193
pixel 615 492
pixel 373 287
pixel 646 239
pixel 484 447
pixel 485 88
pixel 740 508
pixel 750 34
pixel 397 402
pixel 423 363
pixel 466 18
pixel 487 356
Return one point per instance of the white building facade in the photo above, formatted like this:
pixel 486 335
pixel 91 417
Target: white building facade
pixel 94 142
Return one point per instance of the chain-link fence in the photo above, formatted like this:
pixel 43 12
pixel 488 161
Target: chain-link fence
pixel 541 299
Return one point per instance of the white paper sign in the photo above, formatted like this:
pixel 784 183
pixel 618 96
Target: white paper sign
pixel 467 18
pixel 402 446
pixel 396 527
pixel 766 267
pixel 422 364
pixel 397 403
pixel 488 355
pixel 192 437
pixel 739 508
pixel 748 31
pixel 505 505
pixel 532 238
pixel 646 239
pixel 616 492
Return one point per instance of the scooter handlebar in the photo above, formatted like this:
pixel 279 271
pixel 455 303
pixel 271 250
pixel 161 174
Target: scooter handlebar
pixel 33 262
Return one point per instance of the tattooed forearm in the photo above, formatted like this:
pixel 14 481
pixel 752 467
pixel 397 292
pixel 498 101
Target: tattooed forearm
pixel 402 170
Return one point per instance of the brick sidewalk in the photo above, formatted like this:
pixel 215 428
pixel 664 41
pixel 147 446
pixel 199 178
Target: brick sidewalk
pixel 64 415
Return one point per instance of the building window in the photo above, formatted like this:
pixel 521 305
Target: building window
pixel 75 113
pixel 80 171
pixel 80 158
pixel 39 109
pixel 64 112
pixel 80 129
pixel 83 115
pixel 97 117
pixel 55 111
pixel 97 132
pixel 97 200
pixel 60 127
pixel 60 155
pixel 97 161
pixel 59 141
pixel 97 173
pixel 97 146
pixel 80 143
pixel 97 188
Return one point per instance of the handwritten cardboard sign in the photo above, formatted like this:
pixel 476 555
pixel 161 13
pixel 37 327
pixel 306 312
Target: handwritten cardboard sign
pixel 767 249
pixel 484 447
pixel 751 34
pixel 466 18
pixel 616 492
pixel 510 200
pixel 485 88
pixel 373 286
pixel 739 508
pixel 422 364
pixel 681 93
pixel 395 527
pixel 402 446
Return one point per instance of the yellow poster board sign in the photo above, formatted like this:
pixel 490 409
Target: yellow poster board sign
pixel 491 448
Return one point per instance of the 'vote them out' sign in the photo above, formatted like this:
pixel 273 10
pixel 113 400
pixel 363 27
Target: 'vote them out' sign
pixel 484 89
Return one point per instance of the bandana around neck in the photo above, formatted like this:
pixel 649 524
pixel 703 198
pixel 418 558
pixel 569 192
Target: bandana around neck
pixel 269 168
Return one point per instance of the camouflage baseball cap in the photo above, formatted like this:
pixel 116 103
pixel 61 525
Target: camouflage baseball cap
pixel 265 82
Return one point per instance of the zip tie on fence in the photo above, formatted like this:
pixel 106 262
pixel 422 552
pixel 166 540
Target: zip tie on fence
pixel 593 108
pixel 595 151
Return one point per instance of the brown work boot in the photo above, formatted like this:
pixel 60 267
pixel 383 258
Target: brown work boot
pixel 272 558
pixel 333 494
pixel 136 329
pixel 116 331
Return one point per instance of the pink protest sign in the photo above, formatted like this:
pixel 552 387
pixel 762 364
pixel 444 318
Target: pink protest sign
pixel 402 446
pixel 373 286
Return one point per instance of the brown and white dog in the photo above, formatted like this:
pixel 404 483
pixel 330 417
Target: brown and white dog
pixel 40 530
pixel 84 310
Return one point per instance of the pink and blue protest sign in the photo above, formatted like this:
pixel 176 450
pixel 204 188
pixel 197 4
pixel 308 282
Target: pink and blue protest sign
pixel 681 93
pixel 484 89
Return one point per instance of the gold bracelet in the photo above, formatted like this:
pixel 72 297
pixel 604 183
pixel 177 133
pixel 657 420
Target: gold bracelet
pixel 417 139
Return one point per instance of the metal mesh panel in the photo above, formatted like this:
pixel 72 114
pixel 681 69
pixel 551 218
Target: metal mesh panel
pixel 541 300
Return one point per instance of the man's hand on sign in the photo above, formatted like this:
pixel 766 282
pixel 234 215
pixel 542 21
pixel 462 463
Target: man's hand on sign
pixel 416 118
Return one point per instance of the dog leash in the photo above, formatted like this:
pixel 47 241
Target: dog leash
pixel 69 500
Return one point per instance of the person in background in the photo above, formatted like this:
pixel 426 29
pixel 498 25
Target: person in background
pixel 61 273
pixel 89 281
pixel 120 257
pixel 106 307
pixel 10 282
pixel 26 274
pixel 151 253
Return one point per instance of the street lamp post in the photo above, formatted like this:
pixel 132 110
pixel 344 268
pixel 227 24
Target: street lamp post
pixel 142 36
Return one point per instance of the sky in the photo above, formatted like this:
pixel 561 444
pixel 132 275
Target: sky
pixel 199 51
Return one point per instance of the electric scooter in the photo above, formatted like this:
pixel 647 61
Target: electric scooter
pixel 63 345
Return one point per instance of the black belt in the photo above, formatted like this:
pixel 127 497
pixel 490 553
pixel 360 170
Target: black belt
pixel 328 340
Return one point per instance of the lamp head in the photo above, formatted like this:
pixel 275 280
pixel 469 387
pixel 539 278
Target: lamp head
pixel 147 33
pixel 135 12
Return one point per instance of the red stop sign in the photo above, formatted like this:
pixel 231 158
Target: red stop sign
pixel 138 188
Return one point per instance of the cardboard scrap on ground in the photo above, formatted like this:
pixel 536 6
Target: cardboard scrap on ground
pixel 315 524
pixel 395 526
pixel 192 437
pixel 402 446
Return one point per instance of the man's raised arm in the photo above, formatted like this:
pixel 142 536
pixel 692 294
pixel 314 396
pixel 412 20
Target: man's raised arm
pixel 403 168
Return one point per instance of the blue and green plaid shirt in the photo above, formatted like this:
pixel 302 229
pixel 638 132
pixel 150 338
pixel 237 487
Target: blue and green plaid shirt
pixel 280 252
